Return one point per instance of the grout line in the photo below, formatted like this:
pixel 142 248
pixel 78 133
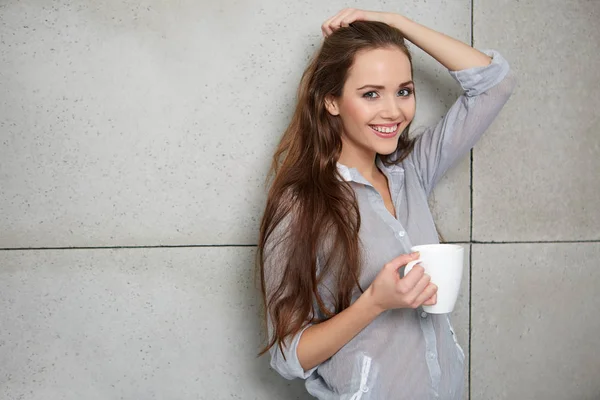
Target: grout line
pixel 471 153
pixel 471 199
pixel 470 316
pixel 472 24
pixel 536 241
pixel 470 234
pixel 128 247
pixel 470 239
pixel 472 242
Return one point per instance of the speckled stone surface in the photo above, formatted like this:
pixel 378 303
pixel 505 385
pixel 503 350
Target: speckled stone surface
pixel 535 321
pixel 140 323
pixel 134 324
pixel 536 174
pixel 151 123
pixel 147 123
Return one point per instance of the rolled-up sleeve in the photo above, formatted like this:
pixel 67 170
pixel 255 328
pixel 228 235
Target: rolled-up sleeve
pixel 289 367
pixel 286 363
pixel 485 91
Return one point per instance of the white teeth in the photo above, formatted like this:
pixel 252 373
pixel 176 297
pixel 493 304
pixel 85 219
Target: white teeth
pixel 383 129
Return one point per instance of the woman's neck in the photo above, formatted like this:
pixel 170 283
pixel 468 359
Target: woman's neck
pixel 362 162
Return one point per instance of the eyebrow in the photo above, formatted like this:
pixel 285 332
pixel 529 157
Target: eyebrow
pixel 379 87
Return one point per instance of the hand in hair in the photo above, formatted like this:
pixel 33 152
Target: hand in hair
pixel 451 53
pixel 389 291
pixel 348 15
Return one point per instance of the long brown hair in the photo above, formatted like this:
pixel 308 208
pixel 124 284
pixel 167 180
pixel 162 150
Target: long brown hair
pixel 308 201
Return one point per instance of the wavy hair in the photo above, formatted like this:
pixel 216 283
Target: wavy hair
pixel 310 198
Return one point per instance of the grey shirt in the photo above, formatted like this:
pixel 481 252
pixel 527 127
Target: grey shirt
pixel 404 353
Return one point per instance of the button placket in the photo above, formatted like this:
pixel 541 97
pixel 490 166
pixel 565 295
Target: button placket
pixel 431 352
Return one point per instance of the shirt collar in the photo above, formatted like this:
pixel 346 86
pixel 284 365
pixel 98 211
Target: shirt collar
pixel 344 172
pixel 352 174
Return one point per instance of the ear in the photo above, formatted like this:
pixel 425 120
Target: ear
pixel 332 106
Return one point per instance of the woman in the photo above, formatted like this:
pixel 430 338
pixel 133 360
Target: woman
pixel 349 199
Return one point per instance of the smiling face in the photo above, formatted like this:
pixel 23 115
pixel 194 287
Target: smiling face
pixel 376 105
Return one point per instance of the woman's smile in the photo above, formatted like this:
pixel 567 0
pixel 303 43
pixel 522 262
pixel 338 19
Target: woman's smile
pixel 385 131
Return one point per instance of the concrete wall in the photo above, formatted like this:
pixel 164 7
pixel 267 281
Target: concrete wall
pixel 135 138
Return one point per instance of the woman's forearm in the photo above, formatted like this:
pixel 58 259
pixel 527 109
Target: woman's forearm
pixel 321 341
pixel 451 53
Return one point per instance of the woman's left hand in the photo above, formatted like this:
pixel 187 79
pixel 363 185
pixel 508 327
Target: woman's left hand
pixel 349 15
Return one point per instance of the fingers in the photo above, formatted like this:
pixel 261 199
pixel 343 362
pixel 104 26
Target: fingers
pixel 349 15
pixel 342 19
pixel 418 288
pixel 346 18
pixel 415 289
pixel 402 260
pixel 432 301
pixel 415 284
pixel 411 279
pixel 333 23
pixel 428 297
pixel 326 28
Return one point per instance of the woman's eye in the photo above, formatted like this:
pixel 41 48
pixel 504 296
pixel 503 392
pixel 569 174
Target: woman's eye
pixel 370 95
pixel 405 92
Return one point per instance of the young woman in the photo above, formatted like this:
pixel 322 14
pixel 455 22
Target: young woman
pixel 349 199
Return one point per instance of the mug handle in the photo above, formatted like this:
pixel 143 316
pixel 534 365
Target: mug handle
pixel 410 266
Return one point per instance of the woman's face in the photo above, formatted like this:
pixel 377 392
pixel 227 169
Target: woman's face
pixel 376 104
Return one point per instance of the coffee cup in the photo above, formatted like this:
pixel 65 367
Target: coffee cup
pixel 444 264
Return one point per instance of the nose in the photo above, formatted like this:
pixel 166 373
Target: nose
pixel 391 108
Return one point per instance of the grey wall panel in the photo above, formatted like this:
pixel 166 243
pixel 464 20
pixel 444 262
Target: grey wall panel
pixel 535 321
pixel 146 123
pixel 535 175
pixel 135 324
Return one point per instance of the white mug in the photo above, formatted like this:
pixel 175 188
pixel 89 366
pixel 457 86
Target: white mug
pixel 444 264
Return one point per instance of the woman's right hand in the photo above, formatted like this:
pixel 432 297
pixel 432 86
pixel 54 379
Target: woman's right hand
pixel 389 291
pixel 321 341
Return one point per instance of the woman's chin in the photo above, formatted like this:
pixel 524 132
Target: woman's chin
pixel 387 150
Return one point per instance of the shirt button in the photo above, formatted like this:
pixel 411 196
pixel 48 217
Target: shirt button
pixel 423 314
pixel 365 389
pixel 401 234
pixel 430 355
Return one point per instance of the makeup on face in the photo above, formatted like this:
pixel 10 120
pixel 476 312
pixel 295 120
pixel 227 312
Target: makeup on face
pixel 377 102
